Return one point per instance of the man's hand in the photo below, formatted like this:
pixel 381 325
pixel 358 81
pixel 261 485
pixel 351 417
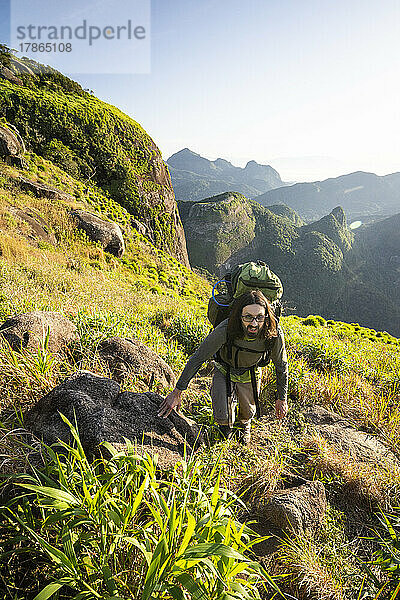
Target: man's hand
pixel 281 408
pixel 170 402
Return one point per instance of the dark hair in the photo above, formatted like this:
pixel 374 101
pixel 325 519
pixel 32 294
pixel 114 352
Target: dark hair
pixel 235 327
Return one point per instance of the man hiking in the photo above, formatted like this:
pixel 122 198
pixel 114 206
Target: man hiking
pixel 249 337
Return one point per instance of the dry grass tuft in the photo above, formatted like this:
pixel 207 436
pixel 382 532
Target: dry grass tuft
pixel 12 248
pixel 378 484
pixel 299 561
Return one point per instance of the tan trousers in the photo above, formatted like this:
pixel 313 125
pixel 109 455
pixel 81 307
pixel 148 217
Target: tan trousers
pixel 224 409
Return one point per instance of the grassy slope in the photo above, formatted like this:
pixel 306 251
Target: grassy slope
pixel 93 140
pixel 149 295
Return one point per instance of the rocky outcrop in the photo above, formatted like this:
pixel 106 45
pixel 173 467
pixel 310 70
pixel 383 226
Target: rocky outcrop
pixel 10 145
pixel 109 234
pixel 98 139
pixel 39 228
pixel 339 432
pixel 102 412
pixel 20 67
pixel 297 509
pixel 28 330
pixel 42 190
pixel 132 356
pixel 334 226
pixel 8 75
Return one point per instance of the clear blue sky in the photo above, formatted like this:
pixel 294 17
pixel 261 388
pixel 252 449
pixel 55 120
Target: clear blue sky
pixel 309 86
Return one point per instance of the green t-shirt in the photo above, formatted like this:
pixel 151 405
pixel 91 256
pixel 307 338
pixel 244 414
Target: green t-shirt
pixel 246 377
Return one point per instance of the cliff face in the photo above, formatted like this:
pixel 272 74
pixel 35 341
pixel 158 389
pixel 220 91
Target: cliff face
pixel 217 227
pixel 94 141
pixel 164 205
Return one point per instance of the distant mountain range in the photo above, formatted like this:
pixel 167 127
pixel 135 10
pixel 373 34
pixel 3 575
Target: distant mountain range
pixel 195 177
pixel 362 196
pixel 326 268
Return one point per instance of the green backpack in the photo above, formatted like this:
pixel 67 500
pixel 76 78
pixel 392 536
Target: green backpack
pixel 244 278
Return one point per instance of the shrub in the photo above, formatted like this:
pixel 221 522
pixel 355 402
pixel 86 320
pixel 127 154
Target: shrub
pixel 64 157
pixel 189 330
pixel 386 558
pixel 324 356
pixel 5 55
pixel 312 321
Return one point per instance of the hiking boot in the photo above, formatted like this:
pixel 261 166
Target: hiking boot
pixel 246 434
pixel 226 431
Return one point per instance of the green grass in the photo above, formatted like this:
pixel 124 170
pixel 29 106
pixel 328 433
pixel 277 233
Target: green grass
pixel 116 529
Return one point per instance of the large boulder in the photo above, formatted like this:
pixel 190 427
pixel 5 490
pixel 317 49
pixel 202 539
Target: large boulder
pixel 341 434
pixel 10 145
pixel 109 234
pixel 28 330
pixel 127 355
pixel 297 509
pixel 8 75
pixel 103 412
pixel 21 68
pixel 41 190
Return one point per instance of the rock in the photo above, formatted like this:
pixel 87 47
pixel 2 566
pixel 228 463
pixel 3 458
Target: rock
pixel 20 67
pixel 340 433
pixel 295 509
pixel 104 413
pixel 8 75
pixel 39 228
pixel 44 191
pixel 10 145
pixel 109 234
pixel 124 356
pixel 28 330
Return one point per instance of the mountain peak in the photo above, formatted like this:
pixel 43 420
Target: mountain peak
pixel 257 170
pixel 195 177
pixel 222 162
pixel 340 216
pixel 184 153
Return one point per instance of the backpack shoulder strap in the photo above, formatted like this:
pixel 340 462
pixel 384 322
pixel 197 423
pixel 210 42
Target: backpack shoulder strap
pixel 255 391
